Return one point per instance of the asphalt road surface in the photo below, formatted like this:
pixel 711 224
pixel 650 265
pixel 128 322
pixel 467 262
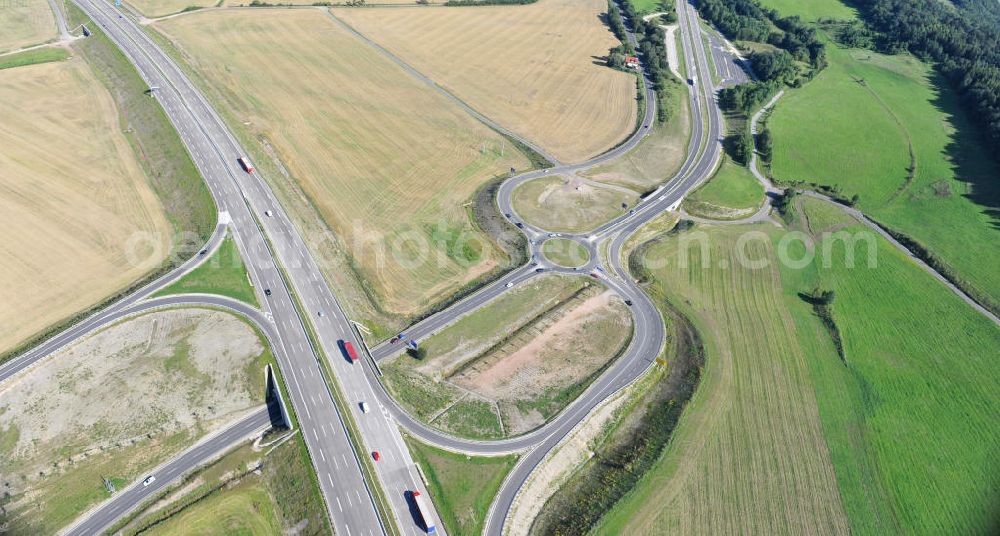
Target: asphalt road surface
pixel 278 260
pixel 268 242
pixel 731 68
pixel 123 501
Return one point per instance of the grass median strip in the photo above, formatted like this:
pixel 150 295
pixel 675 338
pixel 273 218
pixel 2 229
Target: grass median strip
pixel 462 487
pixel 223 273
pixel 382 505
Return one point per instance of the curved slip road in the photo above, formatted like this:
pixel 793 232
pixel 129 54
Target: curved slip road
pixel 107 513
pixel 276 259
pixel 265 240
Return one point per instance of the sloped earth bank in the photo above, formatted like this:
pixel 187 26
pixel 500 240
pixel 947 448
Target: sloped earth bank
pixel 116 404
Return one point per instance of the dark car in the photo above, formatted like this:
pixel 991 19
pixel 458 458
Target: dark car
pixel 539 270
pixel 394 340
pixel 628 302
pixel 202 252
pixel 267 292
pixel 519 225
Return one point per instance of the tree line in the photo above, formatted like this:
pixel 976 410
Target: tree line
pixel 651 40
pixel 794 41
pixel 963 43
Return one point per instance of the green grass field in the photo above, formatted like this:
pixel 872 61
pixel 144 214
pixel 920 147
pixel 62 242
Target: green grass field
pixel 31 57
pixel 223 498
pixel 244 509
pixel 854 127
pixel 462 487
pixel 910 420
pixel 749 455
pixel 224 274
pixel 810 10
pixel 648 6
pixel 782 434
pixel 732 193
pixel 565 252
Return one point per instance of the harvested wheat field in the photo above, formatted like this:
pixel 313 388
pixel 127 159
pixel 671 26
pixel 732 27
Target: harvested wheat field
pixel 75 201
pixel 26 23
pixel 118 403
pixel 535 69
pixel 160 8
pixel 387 161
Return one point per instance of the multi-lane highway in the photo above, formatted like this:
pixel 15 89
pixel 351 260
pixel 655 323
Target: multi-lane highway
pixel 306 322
pixel 278 260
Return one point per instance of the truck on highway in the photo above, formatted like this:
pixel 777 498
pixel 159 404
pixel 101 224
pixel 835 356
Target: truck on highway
pixel 245 164
pixel 348 349
pixel 425 513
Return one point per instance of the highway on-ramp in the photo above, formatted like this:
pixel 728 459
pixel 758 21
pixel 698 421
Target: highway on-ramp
pixel 308 323
pixel 277 259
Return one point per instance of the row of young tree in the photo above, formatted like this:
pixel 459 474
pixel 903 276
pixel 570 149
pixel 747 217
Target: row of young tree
pixel 650 38
pixel 964 48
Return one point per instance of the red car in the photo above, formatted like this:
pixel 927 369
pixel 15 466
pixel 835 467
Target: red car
pixel 376 455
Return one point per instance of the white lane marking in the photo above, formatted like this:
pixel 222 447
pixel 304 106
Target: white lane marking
pixel 315 436
pixel 322 455
pixel 340 506
pixel 323 428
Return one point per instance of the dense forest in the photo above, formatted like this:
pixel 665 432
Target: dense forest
pixel 964 43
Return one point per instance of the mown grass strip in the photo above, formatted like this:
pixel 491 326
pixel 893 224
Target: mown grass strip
pixel 32 57
pixel 462 487
pixel 224 273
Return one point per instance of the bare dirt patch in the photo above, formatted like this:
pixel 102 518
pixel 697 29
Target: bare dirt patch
pixel 570 204
pixel 536 372
pixel 117 403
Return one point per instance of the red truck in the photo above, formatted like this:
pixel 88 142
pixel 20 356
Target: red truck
pixel 348 349
pixel 425 513
pixel 245 164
